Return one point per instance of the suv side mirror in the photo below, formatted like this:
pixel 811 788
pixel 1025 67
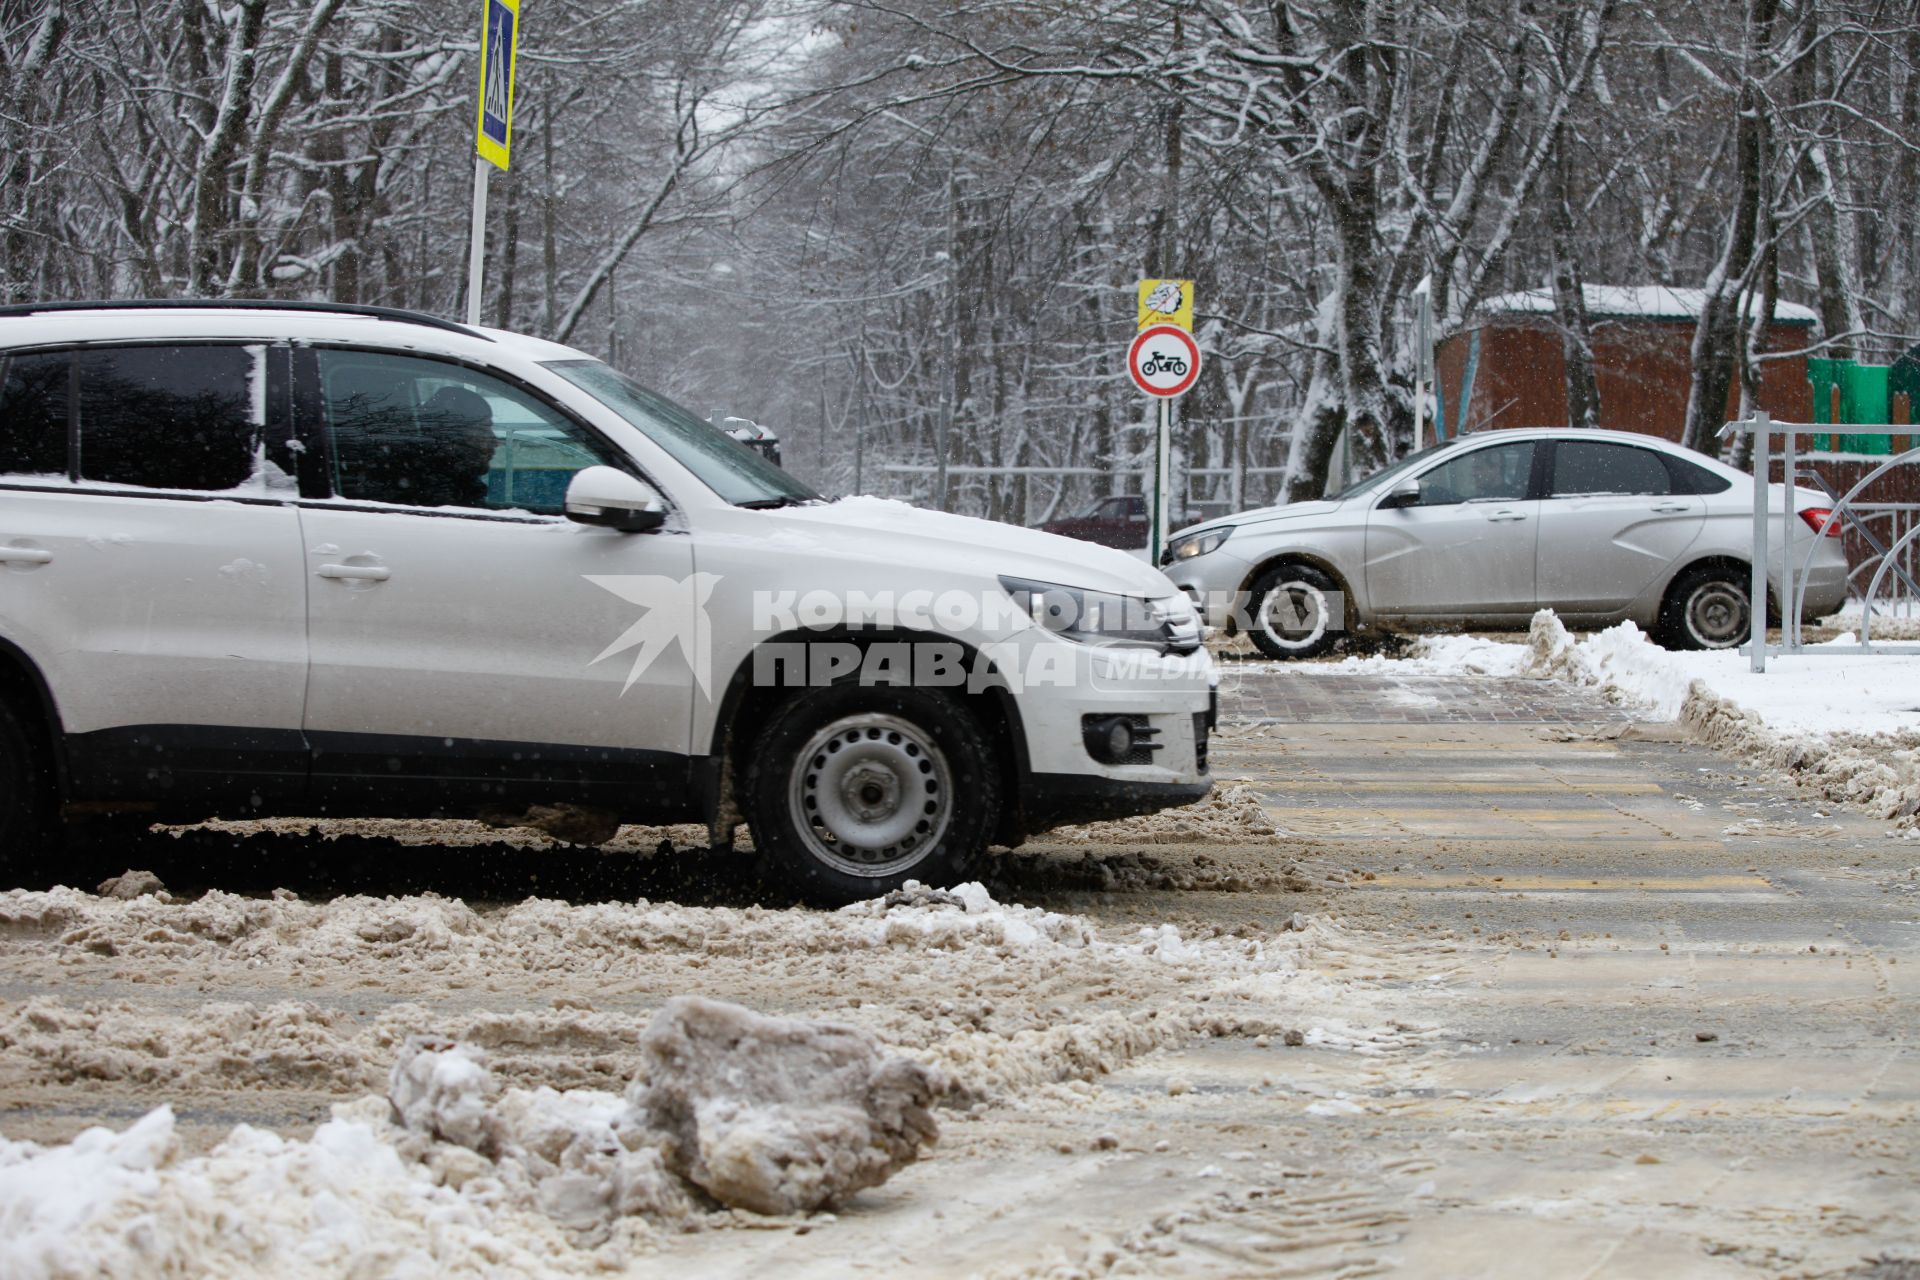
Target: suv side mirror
pixel 613 499
pixel 1404 494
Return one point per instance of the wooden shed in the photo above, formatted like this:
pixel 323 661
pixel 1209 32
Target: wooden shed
pixel 1508 368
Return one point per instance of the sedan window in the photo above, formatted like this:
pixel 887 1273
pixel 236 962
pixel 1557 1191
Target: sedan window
pixel 1501 472
pixel 1587 467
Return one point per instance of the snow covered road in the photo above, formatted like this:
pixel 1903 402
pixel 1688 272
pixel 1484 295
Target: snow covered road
pixel 1507 993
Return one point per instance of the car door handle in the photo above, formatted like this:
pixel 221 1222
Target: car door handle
pixel 25 555
pixel 1673 508
pixel 368 572
pixel 1500 517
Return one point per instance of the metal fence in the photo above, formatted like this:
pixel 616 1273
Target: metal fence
pixel 1883 536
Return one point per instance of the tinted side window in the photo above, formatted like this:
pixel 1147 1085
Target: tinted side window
pixel 33 415
pixel 425 433
pixel 1594 466
pixel 171 417
pixel 1689 477
pixel 1501 472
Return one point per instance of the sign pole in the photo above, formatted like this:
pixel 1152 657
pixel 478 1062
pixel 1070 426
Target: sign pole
pixel 1162 449
pixel 477 245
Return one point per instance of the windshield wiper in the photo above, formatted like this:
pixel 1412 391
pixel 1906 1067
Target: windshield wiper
pixel 769 504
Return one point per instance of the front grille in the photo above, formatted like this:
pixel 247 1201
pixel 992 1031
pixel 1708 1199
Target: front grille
pixel 1202 722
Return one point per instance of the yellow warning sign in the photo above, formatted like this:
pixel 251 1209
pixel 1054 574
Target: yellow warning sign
pixel 1166 302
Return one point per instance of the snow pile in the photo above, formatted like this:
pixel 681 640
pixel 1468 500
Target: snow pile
pixel 1620 661
pixel 1232 813
pixel 1811 729
pixel 777 1115
pixel 965 915
pixel 1448 654
pixel 111 1205
pixel 450 1175
pixel 994 994
pixel 224 1044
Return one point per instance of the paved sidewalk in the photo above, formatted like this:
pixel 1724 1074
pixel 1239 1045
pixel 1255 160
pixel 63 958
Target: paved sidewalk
pixel 1317 694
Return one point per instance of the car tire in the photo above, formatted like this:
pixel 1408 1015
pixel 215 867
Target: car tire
pixel 26 796
pixel 1706 608
pixel 853 790
pixel 1293 611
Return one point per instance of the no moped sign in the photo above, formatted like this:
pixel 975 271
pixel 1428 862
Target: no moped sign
pixel 1164 361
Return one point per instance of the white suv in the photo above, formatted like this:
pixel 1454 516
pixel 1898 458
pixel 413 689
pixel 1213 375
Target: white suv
pixel 313 560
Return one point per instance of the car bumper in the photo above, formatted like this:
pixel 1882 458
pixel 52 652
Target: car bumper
pixel 1212 582
pixel 1172 695
pixel 1823 592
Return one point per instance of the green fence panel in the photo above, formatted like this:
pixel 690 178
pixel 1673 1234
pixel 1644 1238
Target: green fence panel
pixel 1864 399
pixel 1823 374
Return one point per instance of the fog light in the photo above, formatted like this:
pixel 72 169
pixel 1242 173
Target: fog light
pixel 1119 739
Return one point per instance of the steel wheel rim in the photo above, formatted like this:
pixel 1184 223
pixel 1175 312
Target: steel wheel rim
pixel 871 794
pixel 1306 601
pixel 1717 614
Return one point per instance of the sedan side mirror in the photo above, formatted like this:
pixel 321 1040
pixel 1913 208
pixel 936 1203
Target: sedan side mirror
pixel 1404 494
pixel 611 499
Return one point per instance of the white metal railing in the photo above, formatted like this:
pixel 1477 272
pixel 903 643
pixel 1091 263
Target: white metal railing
pixel 1846 511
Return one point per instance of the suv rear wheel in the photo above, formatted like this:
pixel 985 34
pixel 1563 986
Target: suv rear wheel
pixel 854 790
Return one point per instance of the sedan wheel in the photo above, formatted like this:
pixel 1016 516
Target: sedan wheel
pixel 1706 609
pixel 1294 612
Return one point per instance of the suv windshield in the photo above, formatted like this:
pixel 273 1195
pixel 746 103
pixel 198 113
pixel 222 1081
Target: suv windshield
pixel 726 466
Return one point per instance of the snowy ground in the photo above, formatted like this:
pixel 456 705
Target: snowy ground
pixel 1846 726
pixel 1260 1037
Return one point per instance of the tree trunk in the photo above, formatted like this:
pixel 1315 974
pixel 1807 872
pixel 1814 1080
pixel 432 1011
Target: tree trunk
pixel 1321 419
pixel 212 196
pixel 1570 304
pixel 1717 331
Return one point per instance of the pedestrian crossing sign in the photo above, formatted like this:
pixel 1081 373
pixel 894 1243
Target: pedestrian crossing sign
pixel 499 34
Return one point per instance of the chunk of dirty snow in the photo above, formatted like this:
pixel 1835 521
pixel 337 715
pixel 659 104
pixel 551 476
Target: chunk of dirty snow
pixel 779 1115
pixel 129 885
pixel 440 1088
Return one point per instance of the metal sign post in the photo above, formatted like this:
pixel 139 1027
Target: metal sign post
pixel 1162 464
pixel 493 134
pixel 477 242
pixel 1164 362
pixel 1757 589
pixel 1423 403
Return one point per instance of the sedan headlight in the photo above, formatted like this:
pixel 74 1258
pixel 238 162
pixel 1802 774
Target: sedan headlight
pixel 1092 617
pixel 1203 543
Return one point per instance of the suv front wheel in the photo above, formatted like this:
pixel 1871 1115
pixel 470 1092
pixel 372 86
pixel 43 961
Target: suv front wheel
pixel 854 790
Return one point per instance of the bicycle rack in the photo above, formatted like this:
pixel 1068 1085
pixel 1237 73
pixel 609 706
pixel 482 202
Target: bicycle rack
pixel 1845 508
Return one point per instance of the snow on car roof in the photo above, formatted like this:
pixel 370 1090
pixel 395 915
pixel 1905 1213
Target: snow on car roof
pixel 1646 301
pixel 254 322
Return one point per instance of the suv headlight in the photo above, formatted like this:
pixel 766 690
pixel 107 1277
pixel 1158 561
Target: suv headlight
pixel 1093 617
pixel 1203 543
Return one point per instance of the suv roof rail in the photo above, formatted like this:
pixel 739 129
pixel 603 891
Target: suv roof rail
pixel 245 304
